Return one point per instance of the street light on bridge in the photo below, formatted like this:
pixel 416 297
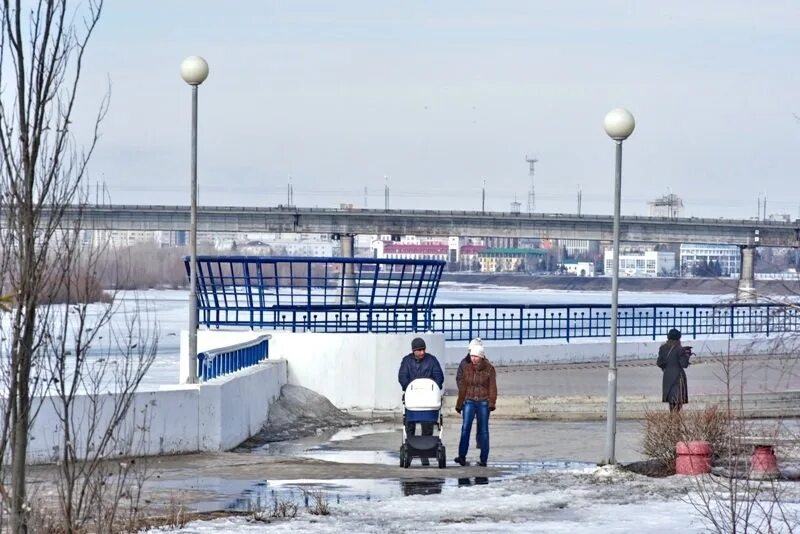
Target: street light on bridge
pixel 194 71
pixel 619 125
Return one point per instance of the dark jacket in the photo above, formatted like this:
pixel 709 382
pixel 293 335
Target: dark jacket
pixel 426 367
pixel 478 382
pixel 672 359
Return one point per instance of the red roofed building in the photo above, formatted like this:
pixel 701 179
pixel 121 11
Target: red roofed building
pixel 413 252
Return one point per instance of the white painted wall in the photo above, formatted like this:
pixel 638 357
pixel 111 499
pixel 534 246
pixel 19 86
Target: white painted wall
pixel 216 415
pixel 582 350
pixel 354 371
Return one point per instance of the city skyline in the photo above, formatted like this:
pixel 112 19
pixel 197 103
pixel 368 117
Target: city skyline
pixel 432 100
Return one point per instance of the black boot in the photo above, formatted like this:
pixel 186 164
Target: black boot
pixel 460 460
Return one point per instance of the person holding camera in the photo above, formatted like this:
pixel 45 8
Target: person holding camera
pixel 673 358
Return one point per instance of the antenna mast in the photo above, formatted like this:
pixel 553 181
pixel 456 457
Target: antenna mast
pixel 532 193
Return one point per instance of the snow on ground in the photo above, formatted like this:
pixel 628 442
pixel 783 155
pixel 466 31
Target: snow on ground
pixel 588 500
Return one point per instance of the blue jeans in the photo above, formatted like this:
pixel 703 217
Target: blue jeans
pixel 470 411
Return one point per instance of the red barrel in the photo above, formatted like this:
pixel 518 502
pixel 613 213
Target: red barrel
pixel 694 457
pixel 763 463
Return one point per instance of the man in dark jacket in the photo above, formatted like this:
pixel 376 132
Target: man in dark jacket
pixel 419 364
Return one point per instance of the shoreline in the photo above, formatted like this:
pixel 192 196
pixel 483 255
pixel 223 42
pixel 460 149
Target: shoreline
pixel 706 286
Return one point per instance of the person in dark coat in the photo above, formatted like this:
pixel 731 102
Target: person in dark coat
pixel 673 358
pixel 419 364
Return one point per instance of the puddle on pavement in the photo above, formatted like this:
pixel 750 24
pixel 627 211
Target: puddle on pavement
pixel 266 494
pixel 352 457
pixel 304 492
pixel 363 430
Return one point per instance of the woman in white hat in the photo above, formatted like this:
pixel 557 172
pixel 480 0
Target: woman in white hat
pixel 477 395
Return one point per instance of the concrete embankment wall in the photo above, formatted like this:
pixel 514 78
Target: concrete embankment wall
pixel 216 415
pixel 356 372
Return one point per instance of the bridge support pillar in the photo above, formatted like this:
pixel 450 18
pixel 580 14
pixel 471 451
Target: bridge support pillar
pixel 746 290
pixel 348 251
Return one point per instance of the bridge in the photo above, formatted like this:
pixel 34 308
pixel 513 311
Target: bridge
pixel 346 223
pixel 745 233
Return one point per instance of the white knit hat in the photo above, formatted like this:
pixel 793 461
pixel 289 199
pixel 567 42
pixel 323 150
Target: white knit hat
pixel 476 348
pixel 476 341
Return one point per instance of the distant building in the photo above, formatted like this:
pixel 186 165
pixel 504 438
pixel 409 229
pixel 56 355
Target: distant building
pixel 401 251
pixel 648 263
pixel 669 206
pixel 727 256
pixel 507 259
pixel 469 257
pixel 578 268
pixel 575 247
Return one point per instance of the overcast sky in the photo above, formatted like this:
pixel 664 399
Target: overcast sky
pixel 440 96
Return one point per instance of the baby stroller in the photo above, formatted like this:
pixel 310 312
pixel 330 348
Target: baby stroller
pixel 422 403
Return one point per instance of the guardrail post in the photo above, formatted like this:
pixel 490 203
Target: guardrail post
pixel 201 366
pixel 521 325
pixel 767 321
pixel 694 322
pixel 470 323
pixel 731 322
pixel 568 322
pixel 654 322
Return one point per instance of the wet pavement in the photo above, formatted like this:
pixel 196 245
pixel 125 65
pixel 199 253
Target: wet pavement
pixel 362 463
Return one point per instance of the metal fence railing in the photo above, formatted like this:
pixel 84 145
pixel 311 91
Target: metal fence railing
pixel 332 294
pixel 511 322
pixel 383 295
pixel 227 360
pixel 529 322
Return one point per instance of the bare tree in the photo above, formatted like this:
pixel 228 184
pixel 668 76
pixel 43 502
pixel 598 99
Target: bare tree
pixel 95 367
pixel 42 165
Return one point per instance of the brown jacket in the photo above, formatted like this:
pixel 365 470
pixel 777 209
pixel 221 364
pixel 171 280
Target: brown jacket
pixel 478 382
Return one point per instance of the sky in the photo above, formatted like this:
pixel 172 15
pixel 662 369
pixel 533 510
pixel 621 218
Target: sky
pixel 342 99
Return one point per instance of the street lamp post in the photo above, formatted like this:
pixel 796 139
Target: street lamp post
pixel 194 71
pixel 619 125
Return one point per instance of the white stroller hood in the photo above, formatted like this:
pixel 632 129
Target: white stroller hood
pixel 423 394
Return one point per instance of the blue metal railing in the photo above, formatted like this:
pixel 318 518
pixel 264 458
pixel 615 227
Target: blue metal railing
pixel 514 322
pixel 310 293
pixel 227 360
pixel 462 322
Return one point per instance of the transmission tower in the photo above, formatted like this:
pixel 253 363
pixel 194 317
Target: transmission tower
pixel 532 192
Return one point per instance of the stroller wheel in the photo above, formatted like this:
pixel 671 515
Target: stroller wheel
pixel 405 458
pixel 441 457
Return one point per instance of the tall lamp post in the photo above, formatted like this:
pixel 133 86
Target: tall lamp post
pixel 194 71
pixel 619 125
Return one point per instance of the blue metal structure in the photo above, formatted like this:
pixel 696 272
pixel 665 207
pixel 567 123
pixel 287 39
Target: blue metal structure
pixel 317 294
pixel 371 295
pixel 462 322
pixel 227 360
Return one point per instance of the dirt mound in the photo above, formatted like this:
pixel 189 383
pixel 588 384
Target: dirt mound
pixel 300 412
